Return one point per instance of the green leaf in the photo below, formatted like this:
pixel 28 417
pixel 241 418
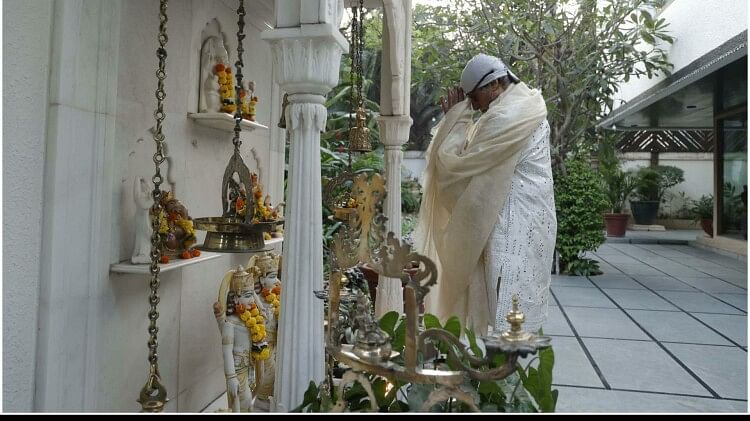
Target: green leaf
pixel 648 38
pixel 473 342
pixel 388 322
pixel 399 336
pixel 453 326
pixel 431 322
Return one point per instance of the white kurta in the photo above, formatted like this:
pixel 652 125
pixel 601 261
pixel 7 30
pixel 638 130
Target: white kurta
pixel 520 249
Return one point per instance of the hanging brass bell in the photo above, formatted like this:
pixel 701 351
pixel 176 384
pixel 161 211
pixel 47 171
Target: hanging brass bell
pixel 359 135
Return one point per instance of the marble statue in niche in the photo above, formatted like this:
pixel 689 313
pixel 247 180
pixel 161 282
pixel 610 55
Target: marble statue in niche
pixel 213 52
pixel 142 221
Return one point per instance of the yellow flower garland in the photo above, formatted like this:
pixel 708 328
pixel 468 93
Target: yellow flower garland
pixel 256 326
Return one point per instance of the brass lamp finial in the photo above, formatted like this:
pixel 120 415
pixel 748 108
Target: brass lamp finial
pixel 359 135
pixel 515 318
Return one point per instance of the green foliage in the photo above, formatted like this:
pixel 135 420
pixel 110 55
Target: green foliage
pixel 618 184
pixel 703 208
pixel 579 202
pixel 411 197
pixel 584 267
pixel 653 182
pixel 577 52
pixel 538 381
pixel 408 225
pixel 491 396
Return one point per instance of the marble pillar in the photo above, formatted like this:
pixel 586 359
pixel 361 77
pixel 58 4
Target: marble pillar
pixel 306 58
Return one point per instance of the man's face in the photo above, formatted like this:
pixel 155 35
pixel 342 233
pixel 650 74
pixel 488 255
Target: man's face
pixel 481 97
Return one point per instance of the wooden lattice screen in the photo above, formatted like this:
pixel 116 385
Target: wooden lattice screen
pixel 667 141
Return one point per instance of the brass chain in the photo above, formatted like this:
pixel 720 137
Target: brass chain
pixel 353 78
pixel 360 52
pixel 153 396
pixel 238 65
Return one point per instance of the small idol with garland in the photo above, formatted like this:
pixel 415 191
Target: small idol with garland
pixel 242 317
pixel 175 229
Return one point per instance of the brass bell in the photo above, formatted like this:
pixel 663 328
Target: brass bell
pixel 359 135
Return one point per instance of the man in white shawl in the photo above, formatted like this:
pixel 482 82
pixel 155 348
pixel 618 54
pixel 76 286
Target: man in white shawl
pixel 487 217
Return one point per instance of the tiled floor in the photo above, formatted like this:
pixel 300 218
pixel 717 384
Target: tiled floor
pixel 664 329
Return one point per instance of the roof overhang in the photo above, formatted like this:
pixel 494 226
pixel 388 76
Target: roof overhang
pixel 686 99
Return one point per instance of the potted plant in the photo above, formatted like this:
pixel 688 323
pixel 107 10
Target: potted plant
pixel 703 211
pixel 619 185
pixel 651 185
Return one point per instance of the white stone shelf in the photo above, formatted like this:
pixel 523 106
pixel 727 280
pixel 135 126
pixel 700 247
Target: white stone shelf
pixel 223 122
pixel 127 267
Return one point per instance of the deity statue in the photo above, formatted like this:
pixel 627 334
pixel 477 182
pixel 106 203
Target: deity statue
pixel 211 98
pixel 213 52
pixel 175 229
pixel 242 322
pixel 142 222
pixel 269 287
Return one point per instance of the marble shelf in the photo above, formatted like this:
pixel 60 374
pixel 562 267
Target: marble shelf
pixel 127 267
pixel 223 122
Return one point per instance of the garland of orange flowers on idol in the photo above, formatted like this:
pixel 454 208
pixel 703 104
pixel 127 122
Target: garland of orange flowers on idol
pixel 273 297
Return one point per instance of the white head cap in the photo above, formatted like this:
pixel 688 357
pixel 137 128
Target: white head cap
pixel 483 69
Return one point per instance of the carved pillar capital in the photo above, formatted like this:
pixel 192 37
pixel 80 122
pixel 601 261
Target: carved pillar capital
pixel 394 130
pixel 307 58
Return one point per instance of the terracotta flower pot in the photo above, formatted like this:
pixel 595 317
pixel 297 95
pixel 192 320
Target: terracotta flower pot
pixel 616 224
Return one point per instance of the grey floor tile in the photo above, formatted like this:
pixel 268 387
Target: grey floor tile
pixel 615 282
pixel 556 323
pixel 570 281
pixel 737 300
pixel 572 367
pixel 638 269
pixel 676 327
pixel 680 271
pixel 712 285
pixel 733 327
pixel 740 281
pixel 663 283
pixel 573 399
pixel 639 300
pixel 603 323
pixel 698 302
pixel 656 370
pixel 582 297
pixel 725 371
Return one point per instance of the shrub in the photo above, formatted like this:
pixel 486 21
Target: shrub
pixel 580 201
pixel 703 208
pixel 652 183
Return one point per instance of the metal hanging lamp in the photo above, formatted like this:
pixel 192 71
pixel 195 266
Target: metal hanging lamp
pixel 359 134
pixel 153 395
pixel 236 231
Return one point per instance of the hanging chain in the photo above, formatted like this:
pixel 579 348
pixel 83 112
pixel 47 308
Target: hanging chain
pixel 238 75
pixel 352 78
pixel 153 396
pixel 360 52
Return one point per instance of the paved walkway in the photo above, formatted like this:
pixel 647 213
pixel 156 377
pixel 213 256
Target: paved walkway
pixel 663 329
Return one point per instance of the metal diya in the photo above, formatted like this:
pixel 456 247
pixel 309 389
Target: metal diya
pixel 232 233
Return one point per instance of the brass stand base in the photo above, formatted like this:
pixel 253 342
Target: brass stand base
pixel 230 242
pixel 232 235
